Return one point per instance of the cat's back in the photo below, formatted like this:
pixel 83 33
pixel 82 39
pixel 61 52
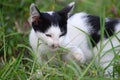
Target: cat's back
pixel 75 25
pixel 81 23
pixel 78 19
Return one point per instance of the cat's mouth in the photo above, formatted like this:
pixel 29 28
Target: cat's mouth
pixel 54 47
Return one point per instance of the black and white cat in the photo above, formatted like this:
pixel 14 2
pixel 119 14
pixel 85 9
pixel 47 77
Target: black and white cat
pixel 56 29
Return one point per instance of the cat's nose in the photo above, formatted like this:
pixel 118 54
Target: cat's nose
pixel 55 45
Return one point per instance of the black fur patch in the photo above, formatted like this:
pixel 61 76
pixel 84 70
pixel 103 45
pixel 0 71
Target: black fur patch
pixel 46 20
pixel 94 21
pixel 110 27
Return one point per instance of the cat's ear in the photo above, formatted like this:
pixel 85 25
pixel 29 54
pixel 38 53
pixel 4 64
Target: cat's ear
pixel 34 13
pixel 67 10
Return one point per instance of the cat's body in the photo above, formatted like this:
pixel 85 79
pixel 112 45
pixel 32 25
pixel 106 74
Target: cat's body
pixel 55 29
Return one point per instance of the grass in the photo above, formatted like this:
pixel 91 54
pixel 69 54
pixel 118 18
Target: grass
pixel 17 59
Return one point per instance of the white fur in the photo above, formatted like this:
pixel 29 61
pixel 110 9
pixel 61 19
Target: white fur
pixel 75 41
pixel 44 41
pixel 81 41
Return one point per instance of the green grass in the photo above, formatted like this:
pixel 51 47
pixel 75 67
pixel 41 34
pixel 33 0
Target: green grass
pixel 17 59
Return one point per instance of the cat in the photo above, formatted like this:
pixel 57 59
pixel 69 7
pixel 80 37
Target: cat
pixel 79 33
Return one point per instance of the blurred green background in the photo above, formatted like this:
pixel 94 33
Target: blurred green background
pixel 14 26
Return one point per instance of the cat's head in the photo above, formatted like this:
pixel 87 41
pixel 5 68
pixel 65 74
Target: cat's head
pixel 50 26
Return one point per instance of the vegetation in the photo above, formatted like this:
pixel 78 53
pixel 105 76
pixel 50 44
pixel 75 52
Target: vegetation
pixel 17 61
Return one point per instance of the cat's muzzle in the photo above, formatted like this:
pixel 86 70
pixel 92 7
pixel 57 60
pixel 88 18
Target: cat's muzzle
pixel 54 46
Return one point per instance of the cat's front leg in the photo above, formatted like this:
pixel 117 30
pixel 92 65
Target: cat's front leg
pixel 40 59
pixel 76 54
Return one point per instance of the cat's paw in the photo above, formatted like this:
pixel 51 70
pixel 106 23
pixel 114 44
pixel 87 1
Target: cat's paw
pixel 78 57
pixel 37 75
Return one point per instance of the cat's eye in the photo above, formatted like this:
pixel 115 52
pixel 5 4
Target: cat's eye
pixel 48 35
